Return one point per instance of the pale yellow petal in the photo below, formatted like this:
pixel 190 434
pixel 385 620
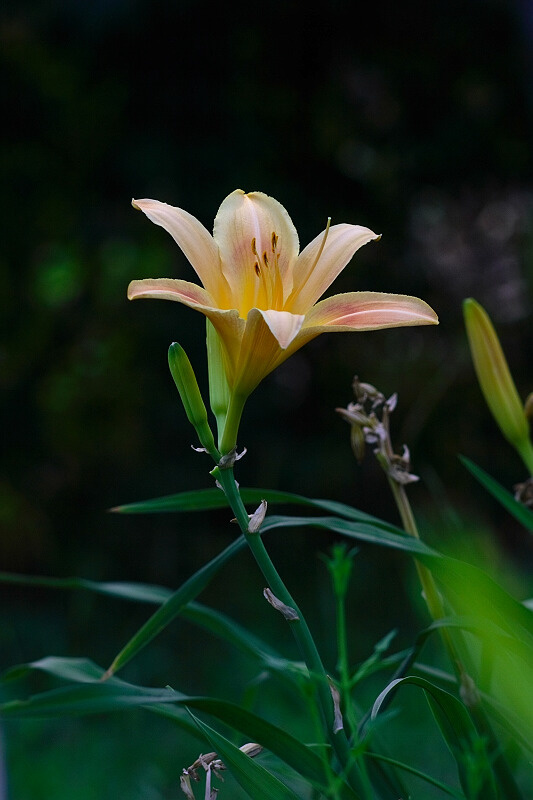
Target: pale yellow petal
pixel 283 325
pixel 228 324
pixel 195 241
pixel 170 289
pixel 367 311
pixel 315 271
pixel 260 353
pixel 255 235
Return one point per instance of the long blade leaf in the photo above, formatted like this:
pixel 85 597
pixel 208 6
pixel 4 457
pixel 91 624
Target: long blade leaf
pixel 518 511
pixel 251 776
pixel 204 499
pixel 456 727
pixel 174 605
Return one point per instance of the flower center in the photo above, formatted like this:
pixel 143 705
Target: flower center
pixel 268 283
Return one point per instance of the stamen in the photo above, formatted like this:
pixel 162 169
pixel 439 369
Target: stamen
pixel 265 259
pixel 274 239
pixel 257 269
pixel 315 262
pixel 254 248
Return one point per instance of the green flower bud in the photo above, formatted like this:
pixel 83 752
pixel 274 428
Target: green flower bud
pixel 495 379
pixel 187 385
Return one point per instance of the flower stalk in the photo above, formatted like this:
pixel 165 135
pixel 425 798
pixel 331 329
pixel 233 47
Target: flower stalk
pixel 300 630
pixel 365 414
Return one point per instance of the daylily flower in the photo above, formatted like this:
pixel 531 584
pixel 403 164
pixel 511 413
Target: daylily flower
pixel 259 293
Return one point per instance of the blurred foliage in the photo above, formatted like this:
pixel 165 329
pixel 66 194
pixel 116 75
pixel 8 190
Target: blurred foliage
pixel 414 119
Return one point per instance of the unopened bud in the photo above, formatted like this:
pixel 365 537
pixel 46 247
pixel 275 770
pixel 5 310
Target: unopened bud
pixel 494 377
pixel 187 385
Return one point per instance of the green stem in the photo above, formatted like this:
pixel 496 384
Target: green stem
pixel 343 667
pixel 299 629
pixel 436 609
pixel 231 426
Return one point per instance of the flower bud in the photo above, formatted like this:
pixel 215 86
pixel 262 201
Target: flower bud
pixel 187 385
pixel 494 377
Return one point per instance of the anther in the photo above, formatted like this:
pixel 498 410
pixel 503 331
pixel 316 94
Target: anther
pixel 257 269
pixel 254 248
pixel 274 241
pixel 265 259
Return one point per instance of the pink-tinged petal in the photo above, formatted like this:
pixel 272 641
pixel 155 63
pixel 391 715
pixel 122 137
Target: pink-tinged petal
pixel 258 245
pixel 316 269
pixel 367 311
pixel 170 289
pixel 229 326
pixel 259 353
pixel 283 325
pixel 195 241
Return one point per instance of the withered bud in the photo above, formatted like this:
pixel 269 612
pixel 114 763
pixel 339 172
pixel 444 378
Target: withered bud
pixel 230 458
pixel 523 492
pixel 399 475
pixel 468 691
pixel 365 391
pixel 258 517
pixel 392 402
pixel 288 612
pixel 338 722
pixel 377 433
pixel 357 441
pixel 205 761
pixel 251 749
pixel 354 414
pixel 185 786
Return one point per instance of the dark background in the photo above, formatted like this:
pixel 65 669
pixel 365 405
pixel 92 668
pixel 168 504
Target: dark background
pixel 414 119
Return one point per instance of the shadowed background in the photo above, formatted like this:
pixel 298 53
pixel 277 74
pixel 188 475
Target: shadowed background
pixel 413 120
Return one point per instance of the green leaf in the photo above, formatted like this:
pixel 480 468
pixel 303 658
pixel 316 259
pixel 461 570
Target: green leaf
pixel 251 776
pixel 77 670
pixel 460 577
pixel 204 499
pixel 210 619
pixel 174 605
pixel 139 592
pixel 457 729
pixel 246 641
pixel 286 747
pixel 518 511
pixel 412 771
pixel 88 695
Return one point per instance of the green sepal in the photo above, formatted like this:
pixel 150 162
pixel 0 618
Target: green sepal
pixel 219 393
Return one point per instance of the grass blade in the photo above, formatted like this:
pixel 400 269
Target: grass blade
pixel 251 776
pixel 515 508
pixel 174 605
